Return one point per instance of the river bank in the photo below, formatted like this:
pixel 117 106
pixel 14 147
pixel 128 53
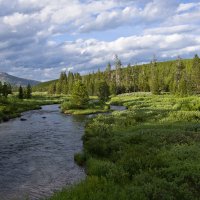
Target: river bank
pixel 150 151
pixel 12 107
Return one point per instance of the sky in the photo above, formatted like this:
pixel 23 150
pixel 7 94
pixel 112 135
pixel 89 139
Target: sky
pixel 41 38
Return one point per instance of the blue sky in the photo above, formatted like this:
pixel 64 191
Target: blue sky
pixel 40 38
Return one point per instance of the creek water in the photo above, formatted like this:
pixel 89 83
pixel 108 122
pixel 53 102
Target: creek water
pixel 117 108
pixel 37 155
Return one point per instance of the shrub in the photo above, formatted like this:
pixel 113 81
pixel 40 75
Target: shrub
pixel 68 106
pixel 93 188
pixel 80 158
pixel 185 116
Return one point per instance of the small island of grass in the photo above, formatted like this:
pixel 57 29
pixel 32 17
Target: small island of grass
pixel 91 108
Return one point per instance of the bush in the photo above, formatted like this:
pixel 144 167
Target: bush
pixel 93 188
pixel 105 168
pixel 80 158
pixel 68 106
pixel 185 116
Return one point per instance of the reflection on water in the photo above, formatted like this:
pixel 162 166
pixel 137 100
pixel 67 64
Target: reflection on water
pixel 36 155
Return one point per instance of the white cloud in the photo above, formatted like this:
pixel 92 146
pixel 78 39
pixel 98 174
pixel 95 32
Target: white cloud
pixel 171 29
pixel 16 19
pixel 187 6
pixel 134 48
pixel 43 36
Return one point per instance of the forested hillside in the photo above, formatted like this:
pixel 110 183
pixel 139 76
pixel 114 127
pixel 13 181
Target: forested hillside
pixel 177 77
pixel 43 87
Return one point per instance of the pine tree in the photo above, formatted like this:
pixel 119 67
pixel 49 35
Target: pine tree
pixel 108 67
pixel 182 89
pixel 178 76
pixel 80 95
pixel 154 78
pixel 52 89
pixel 143 79
pixel 70 82
pixel 113 88
pixel 59 87
pixel 196 74
pixel 5 90
pixel 103 91
pixel 9 88
pixel 99 75
pixel 128 74
pixel 21 93
pixel 28 91
pixel 134 79
pixel 63 76
pixel 108 72
pixel 118 66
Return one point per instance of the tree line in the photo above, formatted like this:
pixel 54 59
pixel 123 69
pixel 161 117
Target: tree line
pixel 181 77
pixel 23 93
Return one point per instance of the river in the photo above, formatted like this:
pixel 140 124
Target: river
pixel 37 155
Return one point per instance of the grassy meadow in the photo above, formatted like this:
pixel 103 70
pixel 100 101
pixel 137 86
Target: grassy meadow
pixel 149 151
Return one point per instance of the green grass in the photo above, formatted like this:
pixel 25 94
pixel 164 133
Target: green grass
pixel 91 108
pixel 12 107
pixel 150 151
pixel 85 111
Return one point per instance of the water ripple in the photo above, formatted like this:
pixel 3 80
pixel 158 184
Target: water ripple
pixel 36 155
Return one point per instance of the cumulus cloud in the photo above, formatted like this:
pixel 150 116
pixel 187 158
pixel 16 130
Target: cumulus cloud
pixel 38 39
pixel 187 6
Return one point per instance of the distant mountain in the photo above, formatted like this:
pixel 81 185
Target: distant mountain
pixel 16 81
